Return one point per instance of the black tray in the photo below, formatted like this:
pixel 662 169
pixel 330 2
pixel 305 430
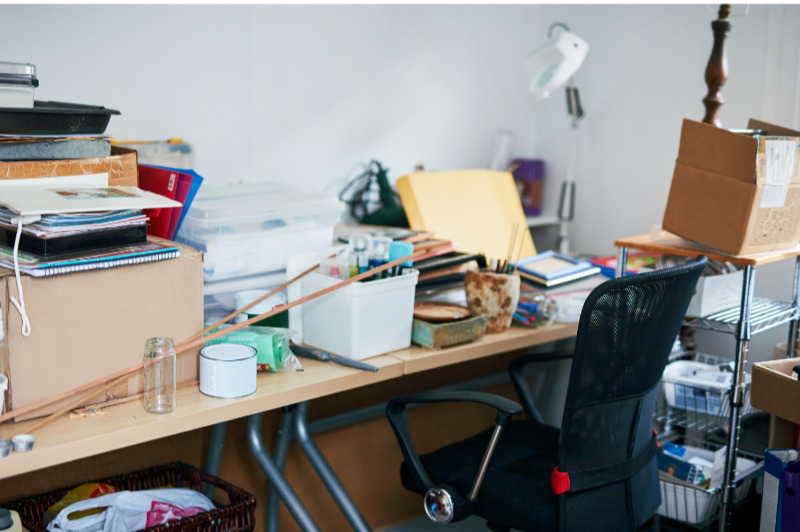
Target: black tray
pixel 55 118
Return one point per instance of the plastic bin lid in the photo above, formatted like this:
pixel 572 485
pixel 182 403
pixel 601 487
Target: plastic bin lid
pixel 18 73
pixel 257 202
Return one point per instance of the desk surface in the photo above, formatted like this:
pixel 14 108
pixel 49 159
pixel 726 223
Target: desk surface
pixel 128 424
pixel 675 245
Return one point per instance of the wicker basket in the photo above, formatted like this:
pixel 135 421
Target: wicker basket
pixel 236 514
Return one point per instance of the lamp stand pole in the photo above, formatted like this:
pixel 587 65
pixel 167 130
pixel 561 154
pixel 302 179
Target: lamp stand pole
pixel 566 202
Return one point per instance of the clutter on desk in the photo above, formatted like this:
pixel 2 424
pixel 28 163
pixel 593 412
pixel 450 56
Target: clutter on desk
pixel 137 503
pixel 736 193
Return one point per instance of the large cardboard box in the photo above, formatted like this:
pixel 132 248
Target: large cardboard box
pixel 121 166
pixel 736 193
pixel 87 325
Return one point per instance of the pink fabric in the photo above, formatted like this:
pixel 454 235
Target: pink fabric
pixel 161 512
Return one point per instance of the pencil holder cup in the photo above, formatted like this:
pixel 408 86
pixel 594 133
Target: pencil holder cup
pixel 494 294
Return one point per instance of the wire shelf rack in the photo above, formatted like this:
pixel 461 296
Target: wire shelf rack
pixel 764 314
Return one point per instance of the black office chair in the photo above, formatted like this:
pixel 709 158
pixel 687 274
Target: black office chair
pixel 598 472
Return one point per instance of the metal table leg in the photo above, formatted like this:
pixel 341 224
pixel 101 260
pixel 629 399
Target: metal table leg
pixel 743 334
pixel 281 451
pixel 214 455
pixel 325 472
pixel 279 483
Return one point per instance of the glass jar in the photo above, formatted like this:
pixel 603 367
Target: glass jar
pixel 159 375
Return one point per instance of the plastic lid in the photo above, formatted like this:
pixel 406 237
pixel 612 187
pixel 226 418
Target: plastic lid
pixel 228 352
pixel 18 73
pixel 257 202
pixel 6 521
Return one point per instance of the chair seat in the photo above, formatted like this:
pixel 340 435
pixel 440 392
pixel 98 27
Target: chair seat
pixel 507 496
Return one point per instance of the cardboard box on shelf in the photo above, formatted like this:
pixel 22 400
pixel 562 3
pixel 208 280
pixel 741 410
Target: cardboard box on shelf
pixel 736 193
pixel 87 325
pixel 121 166
pixel 776 391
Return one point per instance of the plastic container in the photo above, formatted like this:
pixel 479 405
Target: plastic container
pixel 529 177
pixel 251 229
pixel 219 298
pixel 246 297
pixel 227 370
pixel 362 319
pixel 695 504
pixel 17 84
pixel 698 387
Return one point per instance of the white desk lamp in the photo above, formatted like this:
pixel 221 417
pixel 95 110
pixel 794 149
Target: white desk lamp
pixel 549 68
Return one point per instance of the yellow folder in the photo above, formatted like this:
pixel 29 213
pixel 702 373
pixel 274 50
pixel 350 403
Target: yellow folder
pixel 477 209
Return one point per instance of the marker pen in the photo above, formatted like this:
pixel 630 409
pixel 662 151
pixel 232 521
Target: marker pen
pixel 398 250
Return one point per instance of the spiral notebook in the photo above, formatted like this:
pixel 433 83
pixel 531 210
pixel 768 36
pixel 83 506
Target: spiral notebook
pixel 137 254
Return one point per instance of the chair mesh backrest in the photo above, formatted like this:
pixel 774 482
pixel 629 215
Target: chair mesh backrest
pixel 626 332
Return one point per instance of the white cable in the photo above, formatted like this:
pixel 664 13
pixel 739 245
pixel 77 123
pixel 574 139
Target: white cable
pixel 26 324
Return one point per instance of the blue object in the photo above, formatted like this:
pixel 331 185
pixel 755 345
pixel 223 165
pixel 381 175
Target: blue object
pixel 197 180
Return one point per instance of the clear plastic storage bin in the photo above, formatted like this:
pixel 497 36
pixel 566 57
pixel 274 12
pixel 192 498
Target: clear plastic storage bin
pixel 251 229
pixel 17 84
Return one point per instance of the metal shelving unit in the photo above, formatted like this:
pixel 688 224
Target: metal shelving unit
pixel 752 316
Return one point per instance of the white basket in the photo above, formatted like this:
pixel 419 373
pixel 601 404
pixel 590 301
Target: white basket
pixel 696 505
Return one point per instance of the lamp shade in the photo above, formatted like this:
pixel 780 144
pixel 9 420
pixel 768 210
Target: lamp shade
pixel 553 64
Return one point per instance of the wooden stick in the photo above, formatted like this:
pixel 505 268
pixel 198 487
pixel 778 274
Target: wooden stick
pixel 66 395
pixel 185 346
pixel 418 238
pixel 253 304
pixel 517 251
pixel 79 402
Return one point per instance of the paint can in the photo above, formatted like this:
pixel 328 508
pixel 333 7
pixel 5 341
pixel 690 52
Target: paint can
pixel 228 370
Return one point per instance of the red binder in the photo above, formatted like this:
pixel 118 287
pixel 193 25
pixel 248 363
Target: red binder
pixel 165 183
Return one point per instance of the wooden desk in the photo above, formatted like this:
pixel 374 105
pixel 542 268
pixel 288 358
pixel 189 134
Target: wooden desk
pixel 128 424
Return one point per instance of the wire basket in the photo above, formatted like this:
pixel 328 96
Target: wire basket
pixel 691 404
pixel 699 506
pixel 236 512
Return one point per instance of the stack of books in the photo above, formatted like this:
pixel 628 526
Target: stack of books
pixel 549 269
pixel 68 229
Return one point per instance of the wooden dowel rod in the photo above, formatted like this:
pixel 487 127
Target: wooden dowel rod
pixel 254 302
pixel 79 402
pixel 418 238
pixel 66 395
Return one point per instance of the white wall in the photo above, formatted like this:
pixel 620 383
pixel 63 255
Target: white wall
pixel 305 94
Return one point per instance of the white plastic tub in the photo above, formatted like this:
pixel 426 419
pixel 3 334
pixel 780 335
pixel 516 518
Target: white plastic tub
pixel 17 84
pixel 362 319
pixel 252 229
